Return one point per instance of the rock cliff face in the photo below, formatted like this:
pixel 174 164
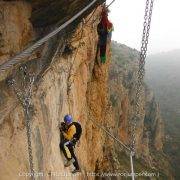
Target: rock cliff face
pixel 66 82
pixel 122 92
pixel 73 83
pixel 150 127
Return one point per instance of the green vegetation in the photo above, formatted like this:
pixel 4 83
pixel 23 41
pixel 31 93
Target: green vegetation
pixel 123 54
pixel 113 100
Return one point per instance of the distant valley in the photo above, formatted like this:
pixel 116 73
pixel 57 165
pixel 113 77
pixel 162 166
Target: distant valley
pixel 163 76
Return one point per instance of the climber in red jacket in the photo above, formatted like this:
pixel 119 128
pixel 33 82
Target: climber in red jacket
pixel 104 29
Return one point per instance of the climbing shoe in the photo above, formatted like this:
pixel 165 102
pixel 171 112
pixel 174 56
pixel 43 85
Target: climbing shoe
pixel 68 163
pixel 103 59
pixel 76 171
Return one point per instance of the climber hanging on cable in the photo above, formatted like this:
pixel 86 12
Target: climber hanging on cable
pixel 104 29
pixel 70 134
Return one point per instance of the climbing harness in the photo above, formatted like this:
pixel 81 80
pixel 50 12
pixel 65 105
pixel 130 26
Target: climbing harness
pixel 25 98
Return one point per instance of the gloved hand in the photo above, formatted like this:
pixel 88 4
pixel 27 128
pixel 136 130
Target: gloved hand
pixel 62 127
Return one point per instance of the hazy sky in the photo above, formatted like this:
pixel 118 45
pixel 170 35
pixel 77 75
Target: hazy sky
pixel 128 15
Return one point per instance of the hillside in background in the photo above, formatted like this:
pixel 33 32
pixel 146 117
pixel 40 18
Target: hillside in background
pixel 150 126
pixel 163 76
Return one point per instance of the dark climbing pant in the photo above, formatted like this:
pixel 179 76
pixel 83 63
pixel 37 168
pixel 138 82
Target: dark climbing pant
pixel 103 53
pixel 102 50
pixel 71 149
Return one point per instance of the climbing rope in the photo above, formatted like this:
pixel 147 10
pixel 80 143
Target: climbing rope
pixel 28 51
pixel 109 134
pixel 132 165
pixel 24 95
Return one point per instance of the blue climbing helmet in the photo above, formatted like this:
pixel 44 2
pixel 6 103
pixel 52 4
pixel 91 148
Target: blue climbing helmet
pixel 68 119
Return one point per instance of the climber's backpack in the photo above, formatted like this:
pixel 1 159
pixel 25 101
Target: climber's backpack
pixel 78 133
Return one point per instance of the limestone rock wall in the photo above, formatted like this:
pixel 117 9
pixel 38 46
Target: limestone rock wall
pixel 15 28
pixel 150 128
pixel 73 83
